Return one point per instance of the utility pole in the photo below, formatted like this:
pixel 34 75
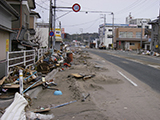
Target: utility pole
pixel 113 30
pixel 141 34
pixel 50 26
pixel 81 29
pixel 54 38
pixel 158 34
pixel 104 29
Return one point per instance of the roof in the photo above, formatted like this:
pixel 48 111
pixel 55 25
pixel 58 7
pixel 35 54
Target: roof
pixel 110 24
pixel 6 29
pixel 35 14
pixel 153 21
pixel 9 8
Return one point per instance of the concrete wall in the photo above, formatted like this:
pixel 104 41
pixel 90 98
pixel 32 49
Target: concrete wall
pixel 43 34
pixel 135 46
pixel 5 18
pixel 3 36
pixel 108 33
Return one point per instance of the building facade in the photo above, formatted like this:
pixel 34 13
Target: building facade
pixel 106 35
pixel 154 35
pixel 20 40
pixel 7 15
pixel 129 38
pixel 138 22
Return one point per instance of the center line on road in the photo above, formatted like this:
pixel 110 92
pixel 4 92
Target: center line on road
pixel 127 79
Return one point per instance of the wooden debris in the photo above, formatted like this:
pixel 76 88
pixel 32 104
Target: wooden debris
pixel 2 81
pixel 37 84
pixel 11 86
pixel 88 76
pixel 76 75
pixel 41 110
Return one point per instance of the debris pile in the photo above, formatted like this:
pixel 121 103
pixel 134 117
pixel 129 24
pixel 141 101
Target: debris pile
pixel 35 75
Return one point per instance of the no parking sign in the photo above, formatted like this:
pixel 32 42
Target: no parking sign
pixel 76 7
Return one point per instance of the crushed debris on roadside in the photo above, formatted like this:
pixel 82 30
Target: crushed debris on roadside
pixel 34 76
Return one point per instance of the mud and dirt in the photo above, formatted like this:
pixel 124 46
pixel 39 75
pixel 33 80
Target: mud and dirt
pixel 111 96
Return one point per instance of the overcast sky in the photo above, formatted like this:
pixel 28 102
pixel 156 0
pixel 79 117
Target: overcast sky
pixel 78 22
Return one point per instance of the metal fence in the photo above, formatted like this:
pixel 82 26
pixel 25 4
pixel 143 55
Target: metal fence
pixel 41 52
pixel 22 58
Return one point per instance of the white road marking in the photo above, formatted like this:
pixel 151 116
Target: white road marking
pixel 128 79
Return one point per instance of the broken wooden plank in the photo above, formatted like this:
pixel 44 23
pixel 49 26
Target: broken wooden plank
pixel 76 75
pixel 41 110
pixel 88 76
pixel 37 84
pixel 11 86
pixel 2 81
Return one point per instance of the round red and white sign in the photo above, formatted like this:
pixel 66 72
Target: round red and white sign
pixel 76 7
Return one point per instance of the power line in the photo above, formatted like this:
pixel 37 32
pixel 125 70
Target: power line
pixel 151 5
pixel 41 6
pixel 132 6
pixel 81 23
pixel 44 2
pixel 92 24
pixel 127 6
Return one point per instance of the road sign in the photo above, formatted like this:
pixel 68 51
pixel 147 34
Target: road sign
pixel 58 32
pixel 76 7
pixel 51 33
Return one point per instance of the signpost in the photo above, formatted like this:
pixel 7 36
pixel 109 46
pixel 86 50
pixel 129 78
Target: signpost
pixel 76 7
pixel 51 33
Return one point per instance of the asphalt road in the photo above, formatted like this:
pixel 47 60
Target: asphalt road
pixel 145 73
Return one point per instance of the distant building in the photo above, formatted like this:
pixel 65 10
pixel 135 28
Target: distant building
pixel 106 34
pixel 43 31
pixel 138 22
pixel 129 38
pixel 154 35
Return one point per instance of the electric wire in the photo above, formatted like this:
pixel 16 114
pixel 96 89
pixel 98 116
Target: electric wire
pixel 42 6
pixel 150 6
pixel 80 23
pixel 91 24
pixel 134 3
pixel 131 8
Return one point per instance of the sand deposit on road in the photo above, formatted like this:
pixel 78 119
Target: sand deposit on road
pixel 111 97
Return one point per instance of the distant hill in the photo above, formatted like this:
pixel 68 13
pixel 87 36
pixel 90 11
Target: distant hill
pixel 80 37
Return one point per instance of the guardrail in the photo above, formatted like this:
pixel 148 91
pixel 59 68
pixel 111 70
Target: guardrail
pixel 22 58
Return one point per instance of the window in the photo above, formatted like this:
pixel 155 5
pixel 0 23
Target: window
pixel 138 34
pixel 109 36
pixel 109 29
pixel 129 34
pixel 122 34
pixel 132 44
pixel 125 34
